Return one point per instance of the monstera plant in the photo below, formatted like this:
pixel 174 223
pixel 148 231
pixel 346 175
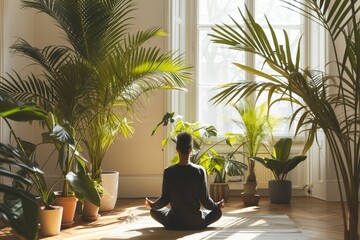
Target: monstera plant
pixel 330 102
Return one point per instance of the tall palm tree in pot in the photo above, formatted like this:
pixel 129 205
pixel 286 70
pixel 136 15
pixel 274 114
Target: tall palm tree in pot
pixel 94 84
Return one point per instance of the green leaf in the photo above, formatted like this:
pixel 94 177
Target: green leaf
pixel 167 118
pixel 19 111
pixel 175 159
pixel 82 184
pixel 62 134
pixel 21 212
pixel 293 162
pixel 280 164
pixel 255 72
pixel 282 149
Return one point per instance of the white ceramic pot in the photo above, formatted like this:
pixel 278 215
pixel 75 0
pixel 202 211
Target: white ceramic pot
pixel 50 221
pixel 110 183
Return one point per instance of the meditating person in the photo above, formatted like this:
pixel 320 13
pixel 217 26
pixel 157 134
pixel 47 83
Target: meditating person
pixel 185 188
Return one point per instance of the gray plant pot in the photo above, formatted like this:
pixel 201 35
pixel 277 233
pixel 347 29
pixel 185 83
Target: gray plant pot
pixel 280 191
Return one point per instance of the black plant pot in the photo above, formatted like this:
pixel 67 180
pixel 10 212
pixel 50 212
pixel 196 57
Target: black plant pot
pixel 280 191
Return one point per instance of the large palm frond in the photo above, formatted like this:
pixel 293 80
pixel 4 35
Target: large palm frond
pixel 333 15
pixel 93 27
pixel 62 85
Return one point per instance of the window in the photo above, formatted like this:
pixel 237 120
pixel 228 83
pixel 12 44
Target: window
pixel 191 23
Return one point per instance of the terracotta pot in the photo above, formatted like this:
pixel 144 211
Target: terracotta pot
pixel 50 220
pixel 90 211
pixel 219 191
pixel 69 205
pixel 110 183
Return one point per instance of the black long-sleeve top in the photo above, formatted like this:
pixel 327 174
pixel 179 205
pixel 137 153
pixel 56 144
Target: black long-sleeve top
pixel 185 188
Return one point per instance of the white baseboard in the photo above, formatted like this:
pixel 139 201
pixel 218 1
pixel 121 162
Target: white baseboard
pixel 326 190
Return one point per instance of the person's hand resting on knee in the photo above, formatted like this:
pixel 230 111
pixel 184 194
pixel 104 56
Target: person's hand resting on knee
pixel 221 203
pixel 148 203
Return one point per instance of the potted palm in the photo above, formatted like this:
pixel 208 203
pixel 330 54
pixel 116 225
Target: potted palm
pixel 98 79
pixel 204 153
pixel 320 96
pixel 50 215
pixel 280 165
pixel 255 130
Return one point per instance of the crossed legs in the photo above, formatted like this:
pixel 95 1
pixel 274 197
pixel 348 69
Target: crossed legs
pixel 175 222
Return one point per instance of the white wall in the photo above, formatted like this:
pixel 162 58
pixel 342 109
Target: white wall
pixel 20 26
pixel 14 27
pixel 140 160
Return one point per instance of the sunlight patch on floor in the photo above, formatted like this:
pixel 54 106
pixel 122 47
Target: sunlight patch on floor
pixel 244 210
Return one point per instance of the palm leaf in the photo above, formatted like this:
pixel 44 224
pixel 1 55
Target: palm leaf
pixel 332 18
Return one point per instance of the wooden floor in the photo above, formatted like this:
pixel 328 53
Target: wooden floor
pixel 317 219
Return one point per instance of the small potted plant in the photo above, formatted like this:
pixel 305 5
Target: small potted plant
pixel 256 127
pixel 280 165
pixel 20 203
pixel 222 166
pixel 50 215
